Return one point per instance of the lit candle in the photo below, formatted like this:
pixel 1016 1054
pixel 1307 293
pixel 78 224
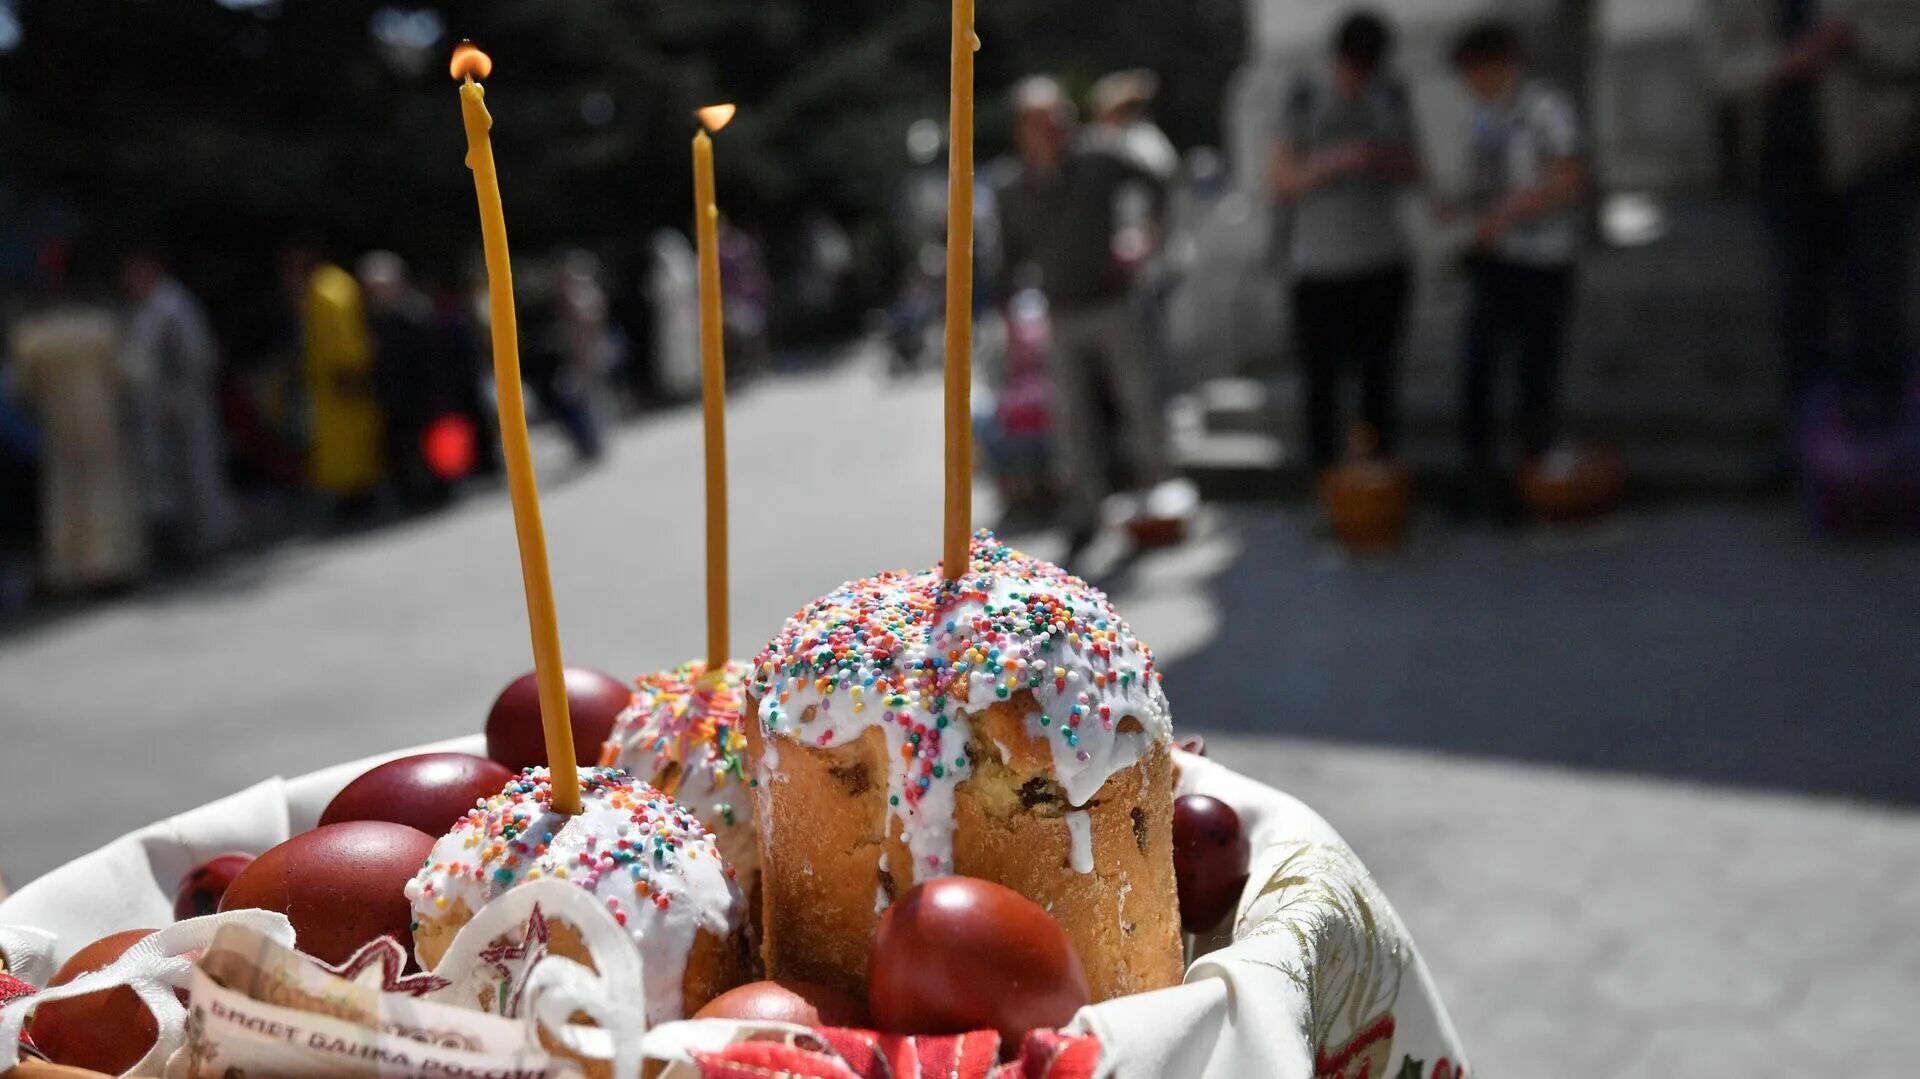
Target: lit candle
pixel 959 518
pixel 713 379
pixel 469 62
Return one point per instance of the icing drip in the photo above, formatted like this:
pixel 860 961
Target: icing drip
pixel 683 733
pixel 1080 830
pixel 654 865
pixel 917 656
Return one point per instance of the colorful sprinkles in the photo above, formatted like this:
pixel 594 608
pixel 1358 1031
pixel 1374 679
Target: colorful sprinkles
pixel 655 866
pixel 510 837
pixel 924 653
pixel 687 716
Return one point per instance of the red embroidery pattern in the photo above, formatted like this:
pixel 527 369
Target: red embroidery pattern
pixel 863 1054
pixel 1350 1061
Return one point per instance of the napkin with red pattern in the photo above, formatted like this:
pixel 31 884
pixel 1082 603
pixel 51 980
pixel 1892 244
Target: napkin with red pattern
pixel 862 1054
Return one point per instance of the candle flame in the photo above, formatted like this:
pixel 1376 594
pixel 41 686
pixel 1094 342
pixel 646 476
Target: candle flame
pixel 469 62
pixel 715 117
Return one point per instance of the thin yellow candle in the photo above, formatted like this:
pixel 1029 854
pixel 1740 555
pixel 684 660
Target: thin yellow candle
pixel 468 63
pixel 959 516
pixel 713 379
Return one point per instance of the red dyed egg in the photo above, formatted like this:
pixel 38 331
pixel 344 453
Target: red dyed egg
pixel 200 890
pixel 1210 858
pixel 429 791
pixel 958 954
pixel 108 1031
pixel 807 1003
pixel 594 700
pixel 340 885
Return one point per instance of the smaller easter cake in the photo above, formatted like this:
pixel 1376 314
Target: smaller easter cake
pixel 654 864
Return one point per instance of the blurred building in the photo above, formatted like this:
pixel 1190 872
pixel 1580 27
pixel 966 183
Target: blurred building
pixel 1671 352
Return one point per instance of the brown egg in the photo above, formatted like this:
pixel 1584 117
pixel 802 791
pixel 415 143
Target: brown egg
pixel 1211 855
pixel 959 954
pixel 340 885
pixel 200 890
pixel 108 1031
pixel 594 700
pixel 428 791
pixel 807 1003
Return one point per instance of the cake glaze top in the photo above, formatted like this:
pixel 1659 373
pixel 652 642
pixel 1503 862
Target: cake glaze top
pixel 688 717
pixel 683 733
pixel 917 655
pixel 654 864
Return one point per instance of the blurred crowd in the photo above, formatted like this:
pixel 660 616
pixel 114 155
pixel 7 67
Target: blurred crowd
pixel 131 445
pixel 124 427
pixel 1833 113
pixel 1081 215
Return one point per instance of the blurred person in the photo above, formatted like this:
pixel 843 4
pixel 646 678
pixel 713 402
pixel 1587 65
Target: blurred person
pixel 1343 158
pixel 565 332
pixel 411 388
pixel 20 445
pixel 66 368
pixel 456 340
pixel 1121 125
pixel 673 292
pixel 1839 166
pixel 746 303
pixel 172 363
pixel 1058 224
pixel 336 360
pixel 1527 181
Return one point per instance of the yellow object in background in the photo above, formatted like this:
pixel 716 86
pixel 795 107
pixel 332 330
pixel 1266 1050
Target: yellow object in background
pixel 336 357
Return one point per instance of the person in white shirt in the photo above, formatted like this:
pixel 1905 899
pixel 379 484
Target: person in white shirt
pixel 1527 185
pixel 172 363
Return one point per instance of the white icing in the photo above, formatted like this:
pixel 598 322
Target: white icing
pixel 653 865
pixel 1080 831
pixel 683 734
pixel 915 657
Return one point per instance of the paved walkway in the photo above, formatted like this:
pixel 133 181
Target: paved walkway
pixel 1582 921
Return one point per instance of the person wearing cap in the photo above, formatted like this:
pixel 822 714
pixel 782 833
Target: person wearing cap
pixel 1058 225
pixel 1121 125
pixel 1344 157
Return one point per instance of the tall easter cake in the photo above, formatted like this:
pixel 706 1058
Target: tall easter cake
pixel 1007 726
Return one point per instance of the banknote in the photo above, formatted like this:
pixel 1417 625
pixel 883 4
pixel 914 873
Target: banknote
pixel 260 1009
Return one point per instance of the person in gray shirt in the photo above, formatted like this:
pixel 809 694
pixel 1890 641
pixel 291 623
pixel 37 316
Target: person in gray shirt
pixel 1343 158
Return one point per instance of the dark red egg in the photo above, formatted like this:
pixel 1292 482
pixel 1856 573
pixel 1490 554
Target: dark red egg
pixel 806 1003
pixel 428 791
pixel 108 1031
pixel 340 885
pixel 594 700
pixel 958 954
pixel 1210 858
pixel 200 890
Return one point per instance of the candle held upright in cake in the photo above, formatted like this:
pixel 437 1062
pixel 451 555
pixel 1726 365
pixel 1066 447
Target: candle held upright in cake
pixel 713 378
pixel 959 345
pixel 468 64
